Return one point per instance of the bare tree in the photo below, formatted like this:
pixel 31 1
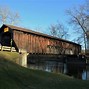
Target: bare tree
pixel 8 17
pixel 58 30
pixel 78 40
pixel 3 14
pixel 14 18
pixel 79 17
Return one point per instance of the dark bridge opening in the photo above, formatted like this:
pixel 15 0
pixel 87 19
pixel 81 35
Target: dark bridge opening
pixel 6 39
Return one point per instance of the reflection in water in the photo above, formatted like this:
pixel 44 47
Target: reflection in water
pixel 84 75
pixel 88 73
pixel 50 66
pixel 59 67
pixel 65 68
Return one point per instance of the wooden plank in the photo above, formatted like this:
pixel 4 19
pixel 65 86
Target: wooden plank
pixel 38 44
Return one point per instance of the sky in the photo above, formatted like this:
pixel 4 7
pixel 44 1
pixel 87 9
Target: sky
pixel 40 14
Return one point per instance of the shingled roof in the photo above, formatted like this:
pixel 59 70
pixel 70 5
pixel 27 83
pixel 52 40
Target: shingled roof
pixel 36 33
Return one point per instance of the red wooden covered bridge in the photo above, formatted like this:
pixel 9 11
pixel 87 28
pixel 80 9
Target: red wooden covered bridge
pixel 35 42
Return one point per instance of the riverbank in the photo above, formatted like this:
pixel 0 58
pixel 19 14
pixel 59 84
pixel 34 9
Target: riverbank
pixel 13 76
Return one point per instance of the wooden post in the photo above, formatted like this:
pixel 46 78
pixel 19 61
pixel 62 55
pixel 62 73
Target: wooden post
pixel 11 45
pixel 1 48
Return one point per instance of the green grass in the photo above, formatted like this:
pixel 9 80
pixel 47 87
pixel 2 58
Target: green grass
pixel 9 55
pixel 13 76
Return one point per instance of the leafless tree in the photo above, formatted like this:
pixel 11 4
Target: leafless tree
pixel 58 30
pixel 79 18
pixel 8 17
pixel 78 40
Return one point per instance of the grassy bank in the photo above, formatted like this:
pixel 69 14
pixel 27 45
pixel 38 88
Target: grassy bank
pixel 13 76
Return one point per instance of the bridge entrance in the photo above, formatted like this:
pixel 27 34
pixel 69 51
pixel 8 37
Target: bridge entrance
pixel 6 39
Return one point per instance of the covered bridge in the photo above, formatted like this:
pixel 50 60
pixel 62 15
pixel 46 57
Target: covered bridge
pixel 35 42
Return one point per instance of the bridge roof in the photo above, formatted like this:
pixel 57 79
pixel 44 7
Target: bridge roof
pixel 36 33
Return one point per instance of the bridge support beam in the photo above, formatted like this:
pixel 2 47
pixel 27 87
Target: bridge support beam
pixel 23 58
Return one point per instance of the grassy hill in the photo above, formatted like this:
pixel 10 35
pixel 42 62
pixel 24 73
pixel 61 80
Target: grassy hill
pixel 13 76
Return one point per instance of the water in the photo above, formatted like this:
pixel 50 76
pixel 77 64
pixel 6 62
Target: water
pixel 65 68
pixel 59 67
pixel 84 75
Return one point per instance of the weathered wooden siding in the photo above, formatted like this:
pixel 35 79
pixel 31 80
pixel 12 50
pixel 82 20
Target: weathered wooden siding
pixel 40 44
pixel 35 42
